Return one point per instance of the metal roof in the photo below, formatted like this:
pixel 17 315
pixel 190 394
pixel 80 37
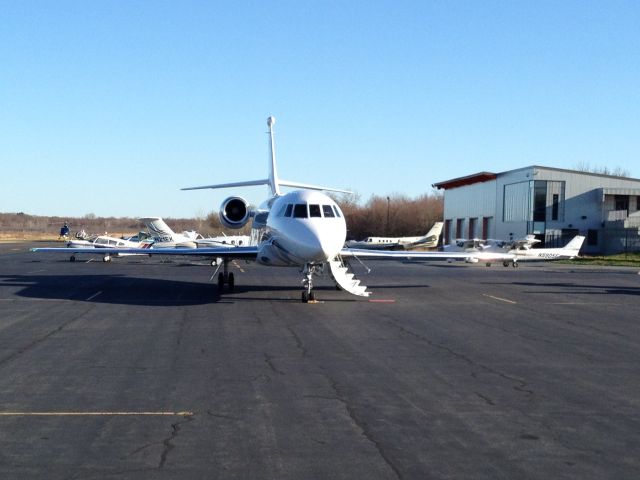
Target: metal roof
pixel 468 180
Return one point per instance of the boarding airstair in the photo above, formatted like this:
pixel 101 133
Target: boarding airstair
pixel 346 279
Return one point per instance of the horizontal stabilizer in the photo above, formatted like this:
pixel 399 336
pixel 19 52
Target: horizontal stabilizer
pixel 248 183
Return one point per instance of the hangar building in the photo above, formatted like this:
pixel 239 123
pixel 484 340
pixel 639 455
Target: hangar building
pixel 551 203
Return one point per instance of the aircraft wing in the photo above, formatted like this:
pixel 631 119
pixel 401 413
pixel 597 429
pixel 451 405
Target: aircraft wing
pixel 248 253
pixel 410 254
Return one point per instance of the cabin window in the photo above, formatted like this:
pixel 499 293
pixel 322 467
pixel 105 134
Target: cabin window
pixel 300 210
pixel 314 210
pixel 326 209
pixel 287 212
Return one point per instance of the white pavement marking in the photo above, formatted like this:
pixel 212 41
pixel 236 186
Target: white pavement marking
pixel 498 298
pixel 93 296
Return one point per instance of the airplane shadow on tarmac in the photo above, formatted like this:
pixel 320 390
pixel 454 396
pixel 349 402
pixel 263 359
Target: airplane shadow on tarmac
pixel 129 290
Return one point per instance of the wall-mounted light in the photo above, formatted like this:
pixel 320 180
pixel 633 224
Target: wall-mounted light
pixel 584 217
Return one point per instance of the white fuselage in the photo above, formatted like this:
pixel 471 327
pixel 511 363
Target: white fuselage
pixel 544 253
pixel 303 226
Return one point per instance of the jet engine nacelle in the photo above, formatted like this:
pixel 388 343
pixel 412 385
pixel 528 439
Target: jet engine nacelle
pixel 235 212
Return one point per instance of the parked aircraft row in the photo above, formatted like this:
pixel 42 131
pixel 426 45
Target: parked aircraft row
pixel 522 249
pixel 158 235
pixel 304 228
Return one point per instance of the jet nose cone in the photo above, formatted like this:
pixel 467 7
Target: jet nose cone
pixel 319 244
pixel 326 244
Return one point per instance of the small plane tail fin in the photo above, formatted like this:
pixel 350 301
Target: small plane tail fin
pixel 435 231
pixel 157 227
pixel 575 244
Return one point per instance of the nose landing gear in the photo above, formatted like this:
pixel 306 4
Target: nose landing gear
pixel 309 270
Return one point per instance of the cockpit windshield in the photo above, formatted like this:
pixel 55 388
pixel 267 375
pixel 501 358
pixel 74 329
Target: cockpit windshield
pixel 300 210
pixel 328 212
pixel 313 210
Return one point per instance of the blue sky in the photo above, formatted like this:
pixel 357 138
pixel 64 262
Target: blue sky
pixel 109 107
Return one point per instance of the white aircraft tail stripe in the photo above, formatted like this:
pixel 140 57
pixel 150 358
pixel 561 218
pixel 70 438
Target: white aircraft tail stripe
pixel 344 278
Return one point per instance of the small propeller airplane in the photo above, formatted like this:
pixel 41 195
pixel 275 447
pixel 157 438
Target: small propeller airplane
pixel 303 228
pixel 523 249
pixel 571 250
pixel 104 245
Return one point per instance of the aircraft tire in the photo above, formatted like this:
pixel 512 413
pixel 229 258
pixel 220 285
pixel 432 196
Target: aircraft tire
pixel 305 297
pixel 505 264
pixel 220 282
pixel 72 258
pixel 231 282
pixel 515 265
pixel 312 297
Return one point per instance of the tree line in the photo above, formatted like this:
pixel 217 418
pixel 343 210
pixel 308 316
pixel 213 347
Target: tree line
pixel 395 215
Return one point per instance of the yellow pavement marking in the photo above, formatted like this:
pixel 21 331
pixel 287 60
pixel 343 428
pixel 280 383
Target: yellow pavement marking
pixel 237 265
pixel 498 298
pixel 94 414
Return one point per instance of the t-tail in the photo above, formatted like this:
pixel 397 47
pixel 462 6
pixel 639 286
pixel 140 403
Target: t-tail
pixel 272 181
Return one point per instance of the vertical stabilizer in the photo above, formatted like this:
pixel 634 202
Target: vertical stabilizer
pixel 575 244
pixel 157 227
pixel 435 231
pixel 273 172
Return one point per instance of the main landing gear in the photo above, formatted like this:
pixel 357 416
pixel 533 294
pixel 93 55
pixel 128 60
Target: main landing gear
pixel 225 277
pixel 309 270
pixel 514 263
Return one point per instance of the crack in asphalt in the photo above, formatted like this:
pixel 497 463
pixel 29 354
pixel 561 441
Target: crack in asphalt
pixel 43 338
pixel 167 442
pixel 361 425
pixel 521 385
pixel 299 343
pixel 269 361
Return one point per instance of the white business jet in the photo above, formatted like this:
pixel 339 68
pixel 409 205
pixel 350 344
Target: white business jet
pixel 430 240
pixel 303 228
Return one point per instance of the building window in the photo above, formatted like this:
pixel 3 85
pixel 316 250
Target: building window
pixel 555 206
pixel 472 227
pixel 540 201
pixel 622 202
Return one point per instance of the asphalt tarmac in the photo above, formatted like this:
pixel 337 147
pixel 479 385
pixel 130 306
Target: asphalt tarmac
pixel 141 369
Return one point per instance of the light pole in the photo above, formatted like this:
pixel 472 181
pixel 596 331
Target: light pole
pixel 388 200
